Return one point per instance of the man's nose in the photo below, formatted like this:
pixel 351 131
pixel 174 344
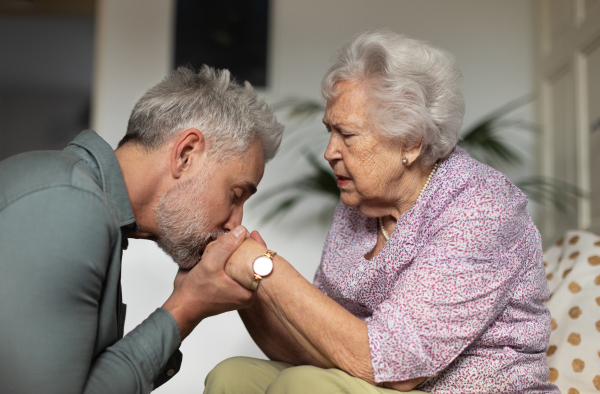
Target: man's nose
pixel 234 220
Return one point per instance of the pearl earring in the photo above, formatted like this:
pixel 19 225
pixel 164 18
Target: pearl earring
pixel 404 161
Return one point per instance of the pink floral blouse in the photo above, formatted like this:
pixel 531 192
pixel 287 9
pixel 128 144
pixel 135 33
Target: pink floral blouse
pixel 456 293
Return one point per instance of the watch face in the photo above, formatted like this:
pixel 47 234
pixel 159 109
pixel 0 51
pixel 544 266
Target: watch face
pixel 263 266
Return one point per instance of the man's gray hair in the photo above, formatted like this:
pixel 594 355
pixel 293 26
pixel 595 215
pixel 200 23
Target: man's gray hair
pixel 230 116
pixel 415 89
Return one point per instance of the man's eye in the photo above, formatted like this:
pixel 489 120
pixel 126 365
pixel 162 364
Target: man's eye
pixel 236 198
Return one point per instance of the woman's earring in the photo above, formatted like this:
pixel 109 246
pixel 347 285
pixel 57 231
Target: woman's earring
pixel 404 161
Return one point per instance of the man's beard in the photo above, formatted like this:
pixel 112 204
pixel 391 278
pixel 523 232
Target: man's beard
pixel 183 226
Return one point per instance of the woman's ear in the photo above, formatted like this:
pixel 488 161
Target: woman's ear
pixel 412 153
pixel 188 148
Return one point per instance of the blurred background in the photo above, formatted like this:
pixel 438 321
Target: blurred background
pixel 68 65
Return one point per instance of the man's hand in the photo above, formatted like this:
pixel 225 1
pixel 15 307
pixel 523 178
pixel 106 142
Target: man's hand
pixel 206 289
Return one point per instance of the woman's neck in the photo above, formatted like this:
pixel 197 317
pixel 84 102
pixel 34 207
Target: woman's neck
pixel 409 190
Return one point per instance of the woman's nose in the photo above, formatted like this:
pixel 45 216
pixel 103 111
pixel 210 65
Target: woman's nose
pixel 332 152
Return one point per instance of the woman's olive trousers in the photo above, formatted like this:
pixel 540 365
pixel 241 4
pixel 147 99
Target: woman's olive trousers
pixel 253 376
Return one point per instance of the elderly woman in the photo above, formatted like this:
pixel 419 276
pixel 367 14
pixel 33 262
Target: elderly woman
pixel 431 276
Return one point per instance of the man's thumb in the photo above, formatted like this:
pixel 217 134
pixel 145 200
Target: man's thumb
pixel 221 249
pixel 239 232
pixel 228 243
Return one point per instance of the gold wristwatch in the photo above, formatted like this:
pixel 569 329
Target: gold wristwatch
pixel 262 266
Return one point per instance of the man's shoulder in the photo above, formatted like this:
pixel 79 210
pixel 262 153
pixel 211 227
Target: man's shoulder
pixel 32 172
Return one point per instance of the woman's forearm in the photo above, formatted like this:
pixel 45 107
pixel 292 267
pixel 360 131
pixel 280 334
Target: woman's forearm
pixel 328 332
pixel 272 337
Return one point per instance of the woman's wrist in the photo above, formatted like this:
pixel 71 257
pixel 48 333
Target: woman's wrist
pixel 240 265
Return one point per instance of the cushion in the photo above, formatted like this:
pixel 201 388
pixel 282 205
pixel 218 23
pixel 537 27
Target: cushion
pixel 573 272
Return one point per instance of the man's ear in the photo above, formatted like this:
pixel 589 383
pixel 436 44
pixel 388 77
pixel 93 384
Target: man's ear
pixel 189 147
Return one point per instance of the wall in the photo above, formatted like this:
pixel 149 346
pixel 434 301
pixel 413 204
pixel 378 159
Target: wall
pixel 567 76
pixel 491 40
pixel 45 81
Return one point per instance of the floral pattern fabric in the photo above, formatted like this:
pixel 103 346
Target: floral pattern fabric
pixel 457 292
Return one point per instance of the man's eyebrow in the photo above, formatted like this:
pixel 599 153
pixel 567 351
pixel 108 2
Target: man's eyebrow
pixel 251 187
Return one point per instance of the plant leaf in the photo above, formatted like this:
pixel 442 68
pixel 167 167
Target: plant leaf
pixel 483 143
pixel 320 181
pixel 550 191
pixel 507 108
pixel 281 209
pixel 482 140
pixel 299 108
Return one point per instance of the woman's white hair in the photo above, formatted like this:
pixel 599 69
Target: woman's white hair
pixel 415 89
pixel 229 115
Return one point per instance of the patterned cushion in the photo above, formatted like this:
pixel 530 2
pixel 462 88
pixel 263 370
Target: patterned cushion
pixel 573 272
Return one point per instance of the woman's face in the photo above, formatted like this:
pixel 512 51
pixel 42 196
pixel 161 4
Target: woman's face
pixel 367 166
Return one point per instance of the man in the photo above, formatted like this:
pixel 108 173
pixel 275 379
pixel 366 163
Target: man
pixel 194 152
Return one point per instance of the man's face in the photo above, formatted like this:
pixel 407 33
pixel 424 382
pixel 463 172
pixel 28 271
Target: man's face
pixel 197 210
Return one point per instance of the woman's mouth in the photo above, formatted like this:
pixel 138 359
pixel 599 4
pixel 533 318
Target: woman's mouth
pixel 342 180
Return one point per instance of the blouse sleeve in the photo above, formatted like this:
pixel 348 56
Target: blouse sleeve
pixel 339 220
pixel 454 289
pixel 317 282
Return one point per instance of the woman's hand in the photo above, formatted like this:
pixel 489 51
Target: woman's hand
pixel 239 265
pixel 256 236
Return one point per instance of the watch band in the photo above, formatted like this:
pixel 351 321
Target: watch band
pixel 257 278
pixel 255 282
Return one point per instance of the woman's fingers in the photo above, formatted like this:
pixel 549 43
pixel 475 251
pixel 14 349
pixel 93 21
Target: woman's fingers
pixel 256 236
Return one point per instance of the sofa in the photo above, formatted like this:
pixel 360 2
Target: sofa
pixel 573 272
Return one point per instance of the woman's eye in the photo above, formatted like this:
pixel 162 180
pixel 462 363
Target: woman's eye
pixel 344 133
